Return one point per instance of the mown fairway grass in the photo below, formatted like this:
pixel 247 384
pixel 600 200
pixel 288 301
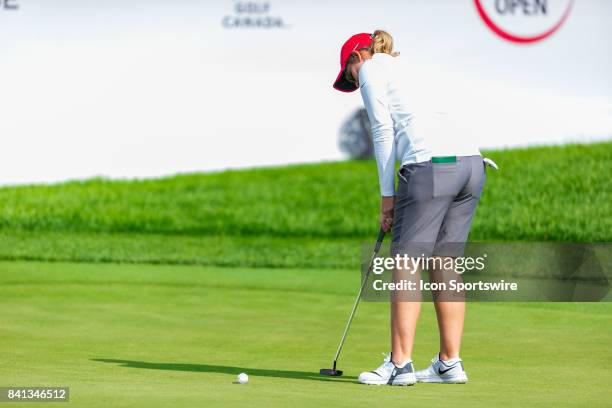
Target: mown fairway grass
pixel 299 216
pixel 177 336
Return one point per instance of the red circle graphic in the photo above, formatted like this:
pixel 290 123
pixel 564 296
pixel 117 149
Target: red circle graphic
pixel 506 35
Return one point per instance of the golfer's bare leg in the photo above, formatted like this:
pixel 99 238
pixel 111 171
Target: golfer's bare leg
pixel 404 317
pixel 450 314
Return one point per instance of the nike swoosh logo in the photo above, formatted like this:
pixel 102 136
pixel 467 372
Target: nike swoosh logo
pixel 448 369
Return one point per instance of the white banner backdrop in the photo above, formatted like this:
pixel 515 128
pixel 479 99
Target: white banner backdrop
pixel 135 88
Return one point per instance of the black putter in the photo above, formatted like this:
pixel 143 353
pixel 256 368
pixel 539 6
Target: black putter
pixel 332 371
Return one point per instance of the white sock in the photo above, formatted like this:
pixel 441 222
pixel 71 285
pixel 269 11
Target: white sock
pixel 403 364
pixel 451 361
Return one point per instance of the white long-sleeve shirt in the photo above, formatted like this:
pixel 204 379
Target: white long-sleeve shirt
pixel 393 120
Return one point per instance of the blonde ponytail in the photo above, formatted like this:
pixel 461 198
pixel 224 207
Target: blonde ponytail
pixel 382 42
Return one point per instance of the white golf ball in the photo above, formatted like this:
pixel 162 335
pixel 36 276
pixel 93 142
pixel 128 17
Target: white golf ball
pixel 243 378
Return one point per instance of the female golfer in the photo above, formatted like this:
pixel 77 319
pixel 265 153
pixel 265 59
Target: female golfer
pixel 431 209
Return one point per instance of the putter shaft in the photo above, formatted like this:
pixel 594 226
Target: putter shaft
pixel 381 237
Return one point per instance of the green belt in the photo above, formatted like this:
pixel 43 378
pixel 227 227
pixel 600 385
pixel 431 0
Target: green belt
pixel 444 159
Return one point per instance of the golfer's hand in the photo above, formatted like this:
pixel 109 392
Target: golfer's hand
pixel 386 213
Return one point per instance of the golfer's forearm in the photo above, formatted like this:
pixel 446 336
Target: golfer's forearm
pixel 384 150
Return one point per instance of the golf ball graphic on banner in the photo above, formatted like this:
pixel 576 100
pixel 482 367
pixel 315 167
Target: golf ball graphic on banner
pixel 243 378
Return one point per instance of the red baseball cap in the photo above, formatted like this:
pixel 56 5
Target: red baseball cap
pixel 355 43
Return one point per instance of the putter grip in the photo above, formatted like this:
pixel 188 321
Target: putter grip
pixel 379 240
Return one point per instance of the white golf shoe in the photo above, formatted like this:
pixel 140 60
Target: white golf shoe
pixel 390 374
pixel 445 372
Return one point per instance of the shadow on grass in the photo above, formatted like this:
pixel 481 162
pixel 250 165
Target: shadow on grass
pixel 205 368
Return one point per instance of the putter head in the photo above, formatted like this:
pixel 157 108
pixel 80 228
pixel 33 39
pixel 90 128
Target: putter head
pixel 330 372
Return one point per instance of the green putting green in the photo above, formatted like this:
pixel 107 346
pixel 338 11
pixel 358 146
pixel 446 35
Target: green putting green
pixel 154 335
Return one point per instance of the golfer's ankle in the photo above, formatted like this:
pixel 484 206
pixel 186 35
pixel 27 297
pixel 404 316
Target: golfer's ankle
pixel 447 356
pixel 400 360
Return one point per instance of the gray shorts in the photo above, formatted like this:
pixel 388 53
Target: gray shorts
pixel 435 202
